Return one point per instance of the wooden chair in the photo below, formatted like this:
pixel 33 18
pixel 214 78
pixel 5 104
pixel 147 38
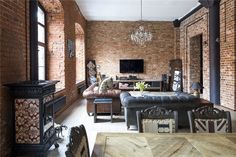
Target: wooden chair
pixel 209 120
pixel 157 120
pixel 78 143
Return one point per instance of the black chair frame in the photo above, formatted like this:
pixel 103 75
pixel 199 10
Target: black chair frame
pixel 75 140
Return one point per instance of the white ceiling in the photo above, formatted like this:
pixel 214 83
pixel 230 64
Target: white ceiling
pixel 130 10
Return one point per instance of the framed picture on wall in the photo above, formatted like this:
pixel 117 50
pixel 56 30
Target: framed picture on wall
pixel 71 48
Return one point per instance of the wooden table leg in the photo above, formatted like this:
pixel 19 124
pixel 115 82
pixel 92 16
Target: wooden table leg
pixel 111 113
pixel 95 113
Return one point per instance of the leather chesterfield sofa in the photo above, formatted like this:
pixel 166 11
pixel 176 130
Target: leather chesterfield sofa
pixel 181 102
pixel 92 92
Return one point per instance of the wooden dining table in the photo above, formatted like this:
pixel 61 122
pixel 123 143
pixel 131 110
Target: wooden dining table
pixel 164 145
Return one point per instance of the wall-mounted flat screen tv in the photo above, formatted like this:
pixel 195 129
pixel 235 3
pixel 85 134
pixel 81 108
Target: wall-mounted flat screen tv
pixel 131 65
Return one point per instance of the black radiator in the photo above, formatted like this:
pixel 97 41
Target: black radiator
pixel 59 103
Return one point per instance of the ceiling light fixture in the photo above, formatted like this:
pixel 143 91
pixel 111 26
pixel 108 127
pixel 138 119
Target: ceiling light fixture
pixel 140 36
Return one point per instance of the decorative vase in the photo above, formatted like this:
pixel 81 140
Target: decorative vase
pixel 142 93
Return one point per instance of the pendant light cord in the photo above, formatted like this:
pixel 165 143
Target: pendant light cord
pixel 141 10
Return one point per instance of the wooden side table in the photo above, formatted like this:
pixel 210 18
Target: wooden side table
pixel 204 102
pixel 101 101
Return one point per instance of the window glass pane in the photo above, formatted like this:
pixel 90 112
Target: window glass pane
pixel 41 56
pixel 41 74
pixel 41 17
pixel 41 34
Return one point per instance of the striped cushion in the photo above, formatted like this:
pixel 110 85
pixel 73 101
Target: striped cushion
pixel 158 125
pixel 211 125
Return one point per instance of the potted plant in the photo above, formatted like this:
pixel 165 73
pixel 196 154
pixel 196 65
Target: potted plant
pixel 141 86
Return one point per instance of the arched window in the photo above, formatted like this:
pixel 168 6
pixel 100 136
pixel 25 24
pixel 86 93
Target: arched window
pixel 80 53
pixel 47 41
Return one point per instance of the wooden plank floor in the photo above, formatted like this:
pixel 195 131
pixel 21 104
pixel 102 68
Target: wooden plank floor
pixel 76 114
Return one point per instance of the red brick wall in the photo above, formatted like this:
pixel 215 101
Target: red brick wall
pixel 198 24
pixel 72 16
pixel 108 42
pixel 13 63
pixel 14 57
pixel 195 61
pixel 227 53
pixel 177 42
pixel 61 19
pixel 195 25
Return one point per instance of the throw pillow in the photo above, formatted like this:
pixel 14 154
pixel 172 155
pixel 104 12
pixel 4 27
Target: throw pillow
pixel 106 84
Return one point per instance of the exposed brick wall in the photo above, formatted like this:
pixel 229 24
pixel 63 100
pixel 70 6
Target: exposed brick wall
pixel 13 62
pixel 14 57
pixel 177 42
pixel 198 24
pixel 72 16
pixel 108 42
pixel 61 19
pixel 227 53
pixel 195 25
pixel 195 61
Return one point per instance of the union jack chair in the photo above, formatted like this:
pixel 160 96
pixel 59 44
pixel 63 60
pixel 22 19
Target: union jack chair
pixel 209 120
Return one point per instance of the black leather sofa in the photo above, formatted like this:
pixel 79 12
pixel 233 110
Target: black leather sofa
pixel 181 102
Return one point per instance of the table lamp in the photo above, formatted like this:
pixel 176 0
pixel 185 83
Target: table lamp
pixel 196 86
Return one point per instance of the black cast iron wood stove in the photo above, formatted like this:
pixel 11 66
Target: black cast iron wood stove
pixel 34 131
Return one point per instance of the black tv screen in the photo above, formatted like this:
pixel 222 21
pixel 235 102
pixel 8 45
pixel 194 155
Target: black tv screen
pixel 131 66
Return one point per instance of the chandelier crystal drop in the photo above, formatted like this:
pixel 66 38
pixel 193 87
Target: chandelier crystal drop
pixel 140 36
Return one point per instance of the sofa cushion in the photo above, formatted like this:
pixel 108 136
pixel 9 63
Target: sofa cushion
pixel 90 92
pixel 106 84
pixel 139 102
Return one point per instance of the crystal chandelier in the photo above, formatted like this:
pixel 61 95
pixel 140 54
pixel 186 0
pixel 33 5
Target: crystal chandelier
pixel 140 35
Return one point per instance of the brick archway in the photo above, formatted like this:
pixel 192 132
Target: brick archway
pixel 55 41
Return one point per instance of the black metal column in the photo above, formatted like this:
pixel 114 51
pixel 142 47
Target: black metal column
pixel 214 45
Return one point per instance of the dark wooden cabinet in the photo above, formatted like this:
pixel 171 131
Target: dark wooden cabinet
pixel 129 84
pixel 33 117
